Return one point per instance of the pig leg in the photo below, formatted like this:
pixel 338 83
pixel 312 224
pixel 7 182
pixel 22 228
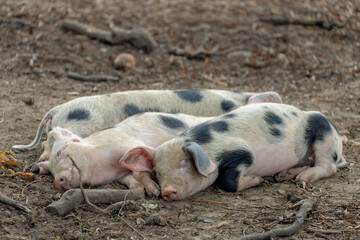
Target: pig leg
pixel 151 187
pixel 323 167
pixel 289 173
pixel 131 182
pixel 321 170
pixel 248 182
pixel 47 151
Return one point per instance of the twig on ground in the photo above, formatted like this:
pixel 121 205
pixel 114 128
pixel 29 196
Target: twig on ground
pixel 8 175
pixel 36 57
pixel 22 190
pixel 320 235
pixel 209 78
pixel 216 225
pixel 74 197
pixel 108 209
pixel 306 206
pixel 323 100
pixel 18 21
pixel 328 231
pixel 208 201
pixel 200 53
pixel 139 38
pixel 6 200
pixel 97 78
pixel 327 24
pixel 132 227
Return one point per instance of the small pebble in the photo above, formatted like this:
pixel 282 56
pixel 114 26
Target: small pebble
pixel 124 61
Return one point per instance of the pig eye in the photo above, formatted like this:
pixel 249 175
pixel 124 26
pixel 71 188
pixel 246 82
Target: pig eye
pixel 58 153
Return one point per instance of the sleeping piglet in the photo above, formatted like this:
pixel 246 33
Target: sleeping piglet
pixel 236 150
pixel 98 155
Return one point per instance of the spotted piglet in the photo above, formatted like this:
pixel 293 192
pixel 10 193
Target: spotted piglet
pixel 86 115
pixel 236 150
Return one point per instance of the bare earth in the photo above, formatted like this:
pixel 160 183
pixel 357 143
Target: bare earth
pixel 310 67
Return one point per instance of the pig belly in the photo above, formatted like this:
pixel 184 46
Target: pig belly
pixel 270 159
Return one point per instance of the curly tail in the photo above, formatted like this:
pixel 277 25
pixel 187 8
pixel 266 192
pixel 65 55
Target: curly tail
pixel 34 143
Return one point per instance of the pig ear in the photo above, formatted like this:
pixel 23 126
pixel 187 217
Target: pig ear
pixel 202 162
pixel 138 159
pixel 61 134
pixel 43 167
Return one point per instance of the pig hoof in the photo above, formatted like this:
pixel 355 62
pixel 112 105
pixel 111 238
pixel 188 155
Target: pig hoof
pixel 281 177
pixel 306 177
pixel 154 189
pixel 156 192
pixel 33 168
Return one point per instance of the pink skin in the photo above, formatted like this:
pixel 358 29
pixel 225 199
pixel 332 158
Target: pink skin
pixel 290 173
pixel 67 179
pixel 99 155
pixel 185 180
pixel 171 193
pixel 265 97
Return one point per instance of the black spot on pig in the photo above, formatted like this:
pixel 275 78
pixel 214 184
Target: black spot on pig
pixel 317 127
pixel 272 118
pixel 171 122
pixel 108 95
pixel 228 163
pixel 229 115
pixel 275 132
pixel 79 114
pixel 220 126
pixel 228 181
pixel 131 109
pixel 227 105
pixel 335 157
pixel 200 133
pixel 191 95
pixel 294 113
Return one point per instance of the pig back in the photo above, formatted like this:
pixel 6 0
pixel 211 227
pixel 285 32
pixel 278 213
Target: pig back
pixel 86 115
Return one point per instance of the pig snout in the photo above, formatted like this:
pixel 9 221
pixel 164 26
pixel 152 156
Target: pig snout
pixel 170 193
pixel 62 182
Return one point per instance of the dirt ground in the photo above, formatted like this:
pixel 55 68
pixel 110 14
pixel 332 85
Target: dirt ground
pixel 310 67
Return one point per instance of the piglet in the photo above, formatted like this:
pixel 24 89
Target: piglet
pixel 236 150
pixel 98 155
pixel 86 115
